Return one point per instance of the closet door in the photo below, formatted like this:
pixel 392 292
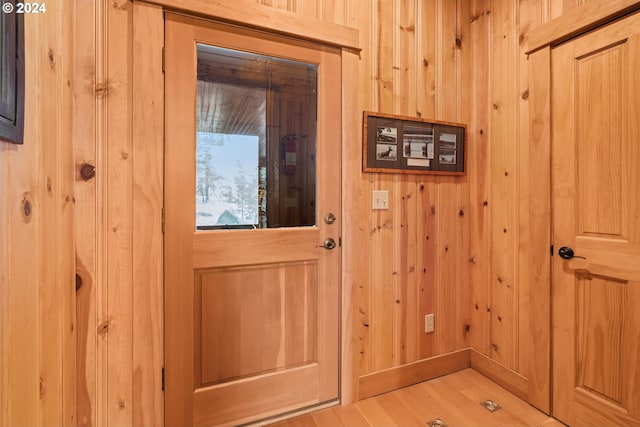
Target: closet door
pixel 596 223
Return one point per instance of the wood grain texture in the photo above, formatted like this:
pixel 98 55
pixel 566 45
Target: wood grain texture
pixel 265 302
pixel 452 398
pixel 414 247
pixel 37 298
pixel 87 247
pixel 593 76
pixel 400 70
pixel 412 373
pixel 269 18
pixel 504 229
pixel 538 238
pixel 147 193
pixel 116 309
pixel 230 302
pixel 479 179
pixel 574 20
pixel 353 231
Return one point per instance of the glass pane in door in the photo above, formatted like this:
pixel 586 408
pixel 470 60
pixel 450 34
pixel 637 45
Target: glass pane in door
pixel 255 141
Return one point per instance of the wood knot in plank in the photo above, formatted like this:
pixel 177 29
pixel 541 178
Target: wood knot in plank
pixel 42 388
pixel 52 59
pixel 26 207
pixel 458 42
pixel 102 89
pixel 103 328
pixel 87 171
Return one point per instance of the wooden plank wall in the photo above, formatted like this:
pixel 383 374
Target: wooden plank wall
pixel 417 251
pixel 37 285
pixel 456 247
pixel 118 132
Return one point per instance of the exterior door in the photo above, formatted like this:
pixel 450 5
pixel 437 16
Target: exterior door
pixel 596 203
pixel 251 310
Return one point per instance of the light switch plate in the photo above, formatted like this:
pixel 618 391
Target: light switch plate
pixel 379 199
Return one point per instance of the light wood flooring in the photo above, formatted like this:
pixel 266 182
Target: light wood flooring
pixel 454 399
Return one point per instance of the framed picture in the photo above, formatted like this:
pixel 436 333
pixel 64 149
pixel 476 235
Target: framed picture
pixel 400 144
pixel 11 74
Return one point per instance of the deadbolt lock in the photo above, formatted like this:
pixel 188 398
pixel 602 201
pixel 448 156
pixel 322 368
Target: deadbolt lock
pixel 329 218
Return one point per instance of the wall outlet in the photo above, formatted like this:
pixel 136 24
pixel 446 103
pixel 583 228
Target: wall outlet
pixel 379 199
pixel 429 320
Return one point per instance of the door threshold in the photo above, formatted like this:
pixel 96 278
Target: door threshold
pixel 292 414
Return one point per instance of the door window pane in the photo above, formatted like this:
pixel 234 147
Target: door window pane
pixel 227 179
pixel 255 141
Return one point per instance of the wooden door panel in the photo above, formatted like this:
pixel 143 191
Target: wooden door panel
pixel 251 316
pixel 601 308
pixel 213 249
pixel 596 184
pixel 234 403
pixel 264 317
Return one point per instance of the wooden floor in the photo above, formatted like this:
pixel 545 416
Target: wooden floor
pixel 454 399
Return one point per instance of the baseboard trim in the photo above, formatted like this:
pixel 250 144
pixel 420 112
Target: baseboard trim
pixel 500 374
pixel 413 373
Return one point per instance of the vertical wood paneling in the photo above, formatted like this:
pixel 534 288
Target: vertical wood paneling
pixel 37 341
pixel 148 138
pixel 503 180
pixel 419 248
pixel 118 306
pixel 410 64
pixel 479 179
pixel 406 333
pixel 383 271
pixel 57 305
pixel 85 224
pixel 447 244
pixel 354 297
pixel 465 67
pixel 540 227
pixel 534 210
pixel 426 228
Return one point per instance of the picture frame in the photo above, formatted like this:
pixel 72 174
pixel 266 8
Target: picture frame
pixel 12 76
pixel 412 145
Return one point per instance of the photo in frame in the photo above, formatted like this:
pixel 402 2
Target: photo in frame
pixel 401 144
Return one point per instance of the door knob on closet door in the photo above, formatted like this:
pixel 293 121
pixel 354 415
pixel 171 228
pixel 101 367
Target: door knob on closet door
pixel 566 252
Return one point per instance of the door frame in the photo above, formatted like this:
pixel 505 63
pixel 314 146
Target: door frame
pixel 347 40
pixel 540 43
